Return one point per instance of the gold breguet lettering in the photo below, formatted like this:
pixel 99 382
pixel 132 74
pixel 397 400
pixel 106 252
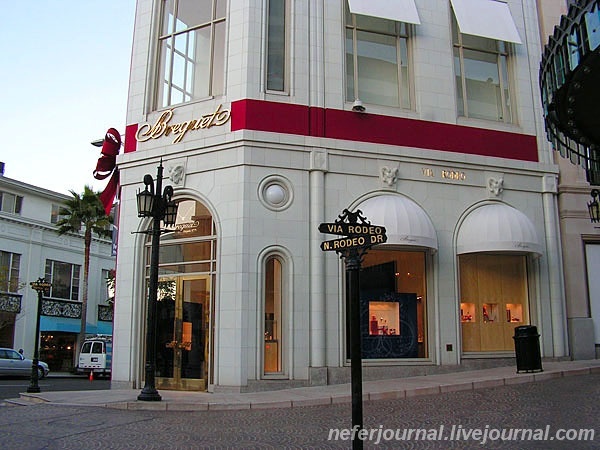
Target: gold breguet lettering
pixel 454 175
pixel 448 174
pixel 163 127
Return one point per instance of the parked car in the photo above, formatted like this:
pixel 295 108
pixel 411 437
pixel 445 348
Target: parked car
pixel 13 363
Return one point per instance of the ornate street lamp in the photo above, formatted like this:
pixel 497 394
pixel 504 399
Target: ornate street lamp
pixel 594 206
pixel 41 286
pixel 151 203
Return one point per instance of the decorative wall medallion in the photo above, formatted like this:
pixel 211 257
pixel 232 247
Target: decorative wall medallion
pixel 275 193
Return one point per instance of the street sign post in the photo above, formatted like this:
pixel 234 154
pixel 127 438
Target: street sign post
pixel 358 236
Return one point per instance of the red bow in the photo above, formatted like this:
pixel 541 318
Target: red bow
pixel 106 165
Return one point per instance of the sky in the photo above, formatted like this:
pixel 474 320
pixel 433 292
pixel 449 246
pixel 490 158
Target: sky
pixel 64 76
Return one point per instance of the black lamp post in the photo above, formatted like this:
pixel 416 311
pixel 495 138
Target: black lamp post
pixel 40 286
pixel 594 206
pixel 151 203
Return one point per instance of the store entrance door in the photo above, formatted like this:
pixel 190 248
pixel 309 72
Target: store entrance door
pixel 183 324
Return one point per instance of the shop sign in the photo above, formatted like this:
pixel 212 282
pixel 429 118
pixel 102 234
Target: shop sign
pixel 164 127
pixel 448 174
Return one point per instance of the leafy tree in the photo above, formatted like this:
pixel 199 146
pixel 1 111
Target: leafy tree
pixel 85 212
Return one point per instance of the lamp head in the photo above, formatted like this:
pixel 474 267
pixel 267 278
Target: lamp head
pixel 358 106
pixel 145 198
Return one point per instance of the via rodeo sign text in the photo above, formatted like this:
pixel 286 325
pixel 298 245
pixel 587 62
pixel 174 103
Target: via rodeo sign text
pixel 357 236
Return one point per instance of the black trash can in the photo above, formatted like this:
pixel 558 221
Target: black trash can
pixel 527 349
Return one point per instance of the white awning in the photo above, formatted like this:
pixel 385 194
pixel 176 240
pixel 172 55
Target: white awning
pixel 486 18
pixel 497 227
pixel 406 223
pixel 399 10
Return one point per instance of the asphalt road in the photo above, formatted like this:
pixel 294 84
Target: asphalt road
pixel 11 387
pixel 545 408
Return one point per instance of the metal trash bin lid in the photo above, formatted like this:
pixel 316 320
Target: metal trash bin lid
pixel 525 331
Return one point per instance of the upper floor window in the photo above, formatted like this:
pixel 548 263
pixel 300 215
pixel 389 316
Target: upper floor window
pixel 10 203
pixel 481 35
pixel 64 278
pixel 9 271
pixel 192 51
pixel 55 215
pixel 377 66
pixel 276 45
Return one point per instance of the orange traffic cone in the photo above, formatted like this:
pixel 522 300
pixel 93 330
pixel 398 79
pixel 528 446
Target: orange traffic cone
pixel 91 375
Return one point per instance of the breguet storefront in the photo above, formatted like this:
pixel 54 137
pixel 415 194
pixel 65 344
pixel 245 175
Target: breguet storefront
pixel 261 148
pixel 247 299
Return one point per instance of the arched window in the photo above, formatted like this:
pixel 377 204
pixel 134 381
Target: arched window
pixel 273 316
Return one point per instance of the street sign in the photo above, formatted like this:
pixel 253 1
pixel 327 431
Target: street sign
pixel 351 229
pixel 358 236
pixel 353 242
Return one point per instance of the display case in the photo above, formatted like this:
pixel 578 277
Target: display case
pixel 467 312
pixel 271 356
pixel 514 312
pixel 384 318
pixel 489 312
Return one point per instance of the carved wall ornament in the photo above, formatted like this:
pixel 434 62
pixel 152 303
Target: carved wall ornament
pixel 495 185
pixel 389 175
pixel 176 173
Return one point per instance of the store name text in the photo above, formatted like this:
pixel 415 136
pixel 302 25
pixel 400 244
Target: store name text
pixel 445 173
pixel 163 127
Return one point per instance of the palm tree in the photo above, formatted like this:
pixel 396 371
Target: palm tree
pixel 85 211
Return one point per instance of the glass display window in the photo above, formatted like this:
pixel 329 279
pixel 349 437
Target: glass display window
pixel 494 293
pixel 384 318
pixel 393 305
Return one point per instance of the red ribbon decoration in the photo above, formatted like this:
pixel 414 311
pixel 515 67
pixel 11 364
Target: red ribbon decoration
pixel 107 165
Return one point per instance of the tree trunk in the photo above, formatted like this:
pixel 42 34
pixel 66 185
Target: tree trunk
pixel 84 294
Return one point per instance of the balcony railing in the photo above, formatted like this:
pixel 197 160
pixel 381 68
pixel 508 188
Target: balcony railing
pixel 61 308
pixel 105 313
pixel 10 303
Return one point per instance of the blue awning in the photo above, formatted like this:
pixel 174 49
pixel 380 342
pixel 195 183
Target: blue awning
pixel 50 323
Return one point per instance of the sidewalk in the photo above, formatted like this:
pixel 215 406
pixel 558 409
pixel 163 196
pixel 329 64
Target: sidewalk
pixel 312 396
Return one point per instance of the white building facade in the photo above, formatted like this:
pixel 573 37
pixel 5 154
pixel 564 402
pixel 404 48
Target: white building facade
pixel 272 117
pixel 30 248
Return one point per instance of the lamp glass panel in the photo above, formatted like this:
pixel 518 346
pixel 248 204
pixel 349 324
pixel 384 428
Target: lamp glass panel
pixel 170 213
pixel 145 203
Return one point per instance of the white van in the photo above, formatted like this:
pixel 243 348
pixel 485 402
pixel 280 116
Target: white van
pixel 96 355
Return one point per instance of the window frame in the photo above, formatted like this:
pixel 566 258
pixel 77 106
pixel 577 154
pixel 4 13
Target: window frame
pixel 74 280
pixel 12 271
pixel 402 35
pixel 16 205
pixel 286 349
pixel 55 215
pixel 286 47
pixel 166 49
pixel 278 313
pixel 504 70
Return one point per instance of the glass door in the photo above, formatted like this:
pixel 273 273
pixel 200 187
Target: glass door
pixel 183 324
